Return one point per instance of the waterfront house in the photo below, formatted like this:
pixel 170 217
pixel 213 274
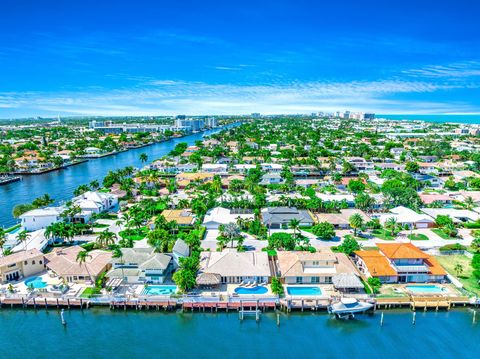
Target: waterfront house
pixel 180 250
pixel 320 267
pixel 20 265
pixel 40 218
pixel 217 216
pixel 280 217
pixel 141 265
pixel 93 202
pixel 399 262
pixel 63 263
pixel 231 266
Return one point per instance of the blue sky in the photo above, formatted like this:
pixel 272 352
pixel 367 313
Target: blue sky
pixel 231 57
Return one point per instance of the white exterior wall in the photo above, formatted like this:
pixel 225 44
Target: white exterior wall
pixel 33 223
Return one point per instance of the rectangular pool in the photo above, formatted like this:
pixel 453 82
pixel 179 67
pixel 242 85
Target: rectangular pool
pixel 301 290
pixel 159 290
pixel 432 288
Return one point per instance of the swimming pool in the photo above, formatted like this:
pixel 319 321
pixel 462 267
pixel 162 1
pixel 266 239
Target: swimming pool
pixel 432 288
pixel 304 290
pixel 252 290
pixel 36 282
pixel 159 290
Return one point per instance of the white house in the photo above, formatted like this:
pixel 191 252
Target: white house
pixel 40 218
pixel 219 215
pixel 406 216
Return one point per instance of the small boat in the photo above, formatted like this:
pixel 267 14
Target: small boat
pixel 347 307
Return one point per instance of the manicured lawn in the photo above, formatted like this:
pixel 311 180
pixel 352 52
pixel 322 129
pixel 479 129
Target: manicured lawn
pixel 89 292
pixel 100 225
pixel 134 234
pixel 417 237
pixel 442 234
pixel 466 278
pixel 383 234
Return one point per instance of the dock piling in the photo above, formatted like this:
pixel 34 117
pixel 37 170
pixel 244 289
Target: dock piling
pixel 381 319
pixel 414 318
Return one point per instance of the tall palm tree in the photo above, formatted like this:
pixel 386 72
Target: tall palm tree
pixel 143 157
pixel 106 238
pixel 391 223
pixel 82 259
pixel 295 225
pixel 231 231
pixel 23 237
pixel 356 221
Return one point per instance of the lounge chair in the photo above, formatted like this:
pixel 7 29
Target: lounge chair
pixel 242 283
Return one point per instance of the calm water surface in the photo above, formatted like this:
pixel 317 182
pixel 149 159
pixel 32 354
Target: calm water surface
pixel 61 184
pixel 100 333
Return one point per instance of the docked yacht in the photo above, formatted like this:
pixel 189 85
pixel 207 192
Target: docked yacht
pixel 347 307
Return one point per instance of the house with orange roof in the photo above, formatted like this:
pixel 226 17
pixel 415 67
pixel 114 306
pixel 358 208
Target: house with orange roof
pixel 399 263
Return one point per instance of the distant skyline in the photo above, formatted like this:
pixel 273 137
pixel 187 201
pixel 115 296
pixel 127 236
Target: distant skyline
pixel 104 58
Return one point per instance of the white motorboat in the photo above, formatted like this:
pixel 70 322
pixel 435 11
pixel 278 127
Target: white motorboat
pixel 347 307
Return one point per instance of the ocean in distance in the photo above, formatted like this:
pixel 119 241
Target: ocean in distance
pixel 101 333
pixel 467 119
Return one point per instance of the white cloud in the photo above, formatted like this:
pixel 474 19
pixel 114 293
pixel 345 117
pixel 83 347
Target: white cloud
pixel 454 70
pixel 157 97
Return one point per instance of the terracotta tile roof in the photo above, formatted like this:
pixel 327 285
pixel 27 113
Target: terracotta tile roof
pixel 377 264
pixel 435 267
pixel 401 251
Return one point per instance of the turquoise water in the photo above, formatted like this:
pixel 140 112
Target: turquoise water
pixel 304 291
pixel 160 290
pixel 435 118
pixel 35 282
pixel 101 333
pixel 424 288
pixel 254 290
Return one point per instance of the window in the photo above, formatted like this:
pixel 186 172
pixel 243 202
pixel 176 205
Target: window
pixel 316 280
pixel 299 280
pixel 328 280
pixel 316 263
pixel 33 262
pixel 25 262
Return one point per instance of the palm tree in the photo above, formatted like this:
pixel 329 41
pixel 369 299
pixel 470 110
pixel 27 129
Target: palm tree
pixel 106 238
pixel 23 237
pixel 356 221
pixel 82 259
pixel 391 223
pixel 469 202
pixel 231 231
pixel 295 225
pixel 143 157
pixel 94 185
pixel 458 269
